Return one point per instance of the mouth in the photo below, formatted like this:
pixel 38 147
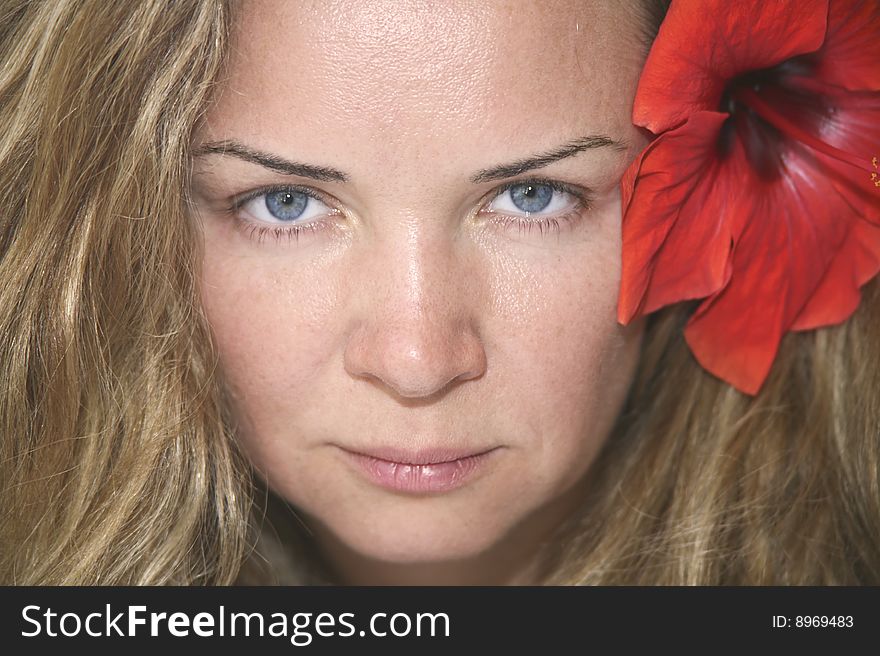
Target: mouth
pixel 420 472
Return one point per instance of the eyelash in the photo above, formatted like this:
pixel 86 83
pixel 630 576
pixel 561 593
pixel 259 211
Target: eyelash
pixel 258 232
pixel 546 225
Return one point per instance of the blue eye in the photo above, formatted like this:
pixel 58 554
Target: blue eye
pixel 541 199
pixel 531 197
pixel 286 205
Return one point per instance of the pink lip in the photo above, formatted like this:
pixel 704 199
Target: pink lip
pixel 430 470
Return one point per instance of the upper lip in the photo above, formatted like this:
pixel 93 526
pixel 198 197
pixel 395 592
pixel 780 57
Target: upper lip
pixel 429 456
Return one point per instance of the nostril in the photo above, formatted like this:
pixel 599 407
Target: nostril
pixel 415 389
pixel 412 365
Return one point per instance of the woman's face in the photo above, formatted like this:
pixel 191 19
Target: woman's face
pixel 411 226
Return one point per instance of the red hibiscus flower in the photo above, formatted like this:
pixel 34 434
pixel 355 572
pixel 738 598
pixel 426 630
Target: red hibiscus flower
pixel 759 193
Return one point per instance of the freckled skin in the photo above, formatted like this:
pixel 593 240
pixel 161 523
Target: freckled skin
pixel 414 321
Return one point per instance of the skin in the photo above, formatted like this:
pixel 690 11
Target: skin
pixel 415 317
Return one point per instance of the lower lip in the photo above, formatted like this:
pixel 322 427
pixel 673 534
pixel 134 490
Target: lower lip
pixel 416 479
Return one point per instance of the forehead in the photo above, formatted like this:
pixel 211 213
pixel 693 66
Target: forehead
pixel 399 73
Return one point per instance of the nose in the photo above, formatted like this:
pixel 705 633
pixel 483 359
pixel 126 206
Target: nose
pixel 417 332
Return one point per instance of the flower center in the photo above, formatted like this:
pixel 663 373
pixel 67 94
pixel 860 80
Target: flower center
pixel 770 107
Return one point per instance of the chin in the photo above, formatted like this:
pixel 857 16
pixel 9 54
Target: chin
pixel 416 536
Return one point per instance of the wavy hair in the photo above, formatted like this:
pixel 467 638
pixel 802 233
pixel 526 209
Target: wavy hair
pixel 701 484
pixel 118 462
pixel 115 466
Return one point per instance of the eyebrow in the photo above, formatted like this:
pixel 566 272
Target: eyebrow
pixel 543 159
pixel 328 174
pixel 272 162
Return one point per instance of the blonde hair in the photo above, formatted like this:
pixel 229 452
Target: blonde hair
pixel 700 484
pixel 115 467
pixel 118 462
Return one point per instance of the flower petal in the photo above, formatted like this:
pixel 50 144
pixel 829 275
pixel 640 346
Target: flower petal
pixel 838 296
pixel 735 334
pixel 854 127
pixel 703 44
pixel 798 228
pixel 674 214
pixel 850 56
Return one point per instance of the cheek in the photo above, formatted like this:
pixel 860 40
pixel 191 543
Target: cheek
pixel 276 329
pixel 563 362
pixel 574 382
